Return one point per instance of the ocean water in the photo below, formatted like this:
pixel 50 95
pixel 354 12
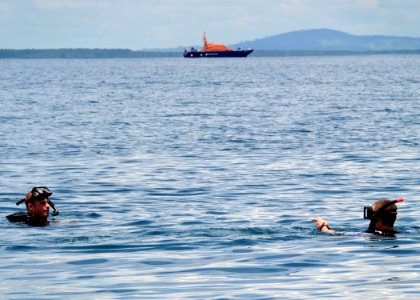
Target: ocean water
pixel 196 179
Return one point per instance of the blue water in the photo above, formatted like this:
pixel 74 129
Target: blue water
pixel 197 179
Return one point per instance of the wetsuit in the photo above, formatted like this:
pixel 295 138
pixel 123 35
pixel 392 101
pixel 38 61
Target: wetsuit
pixel 383 233
pixel 31 220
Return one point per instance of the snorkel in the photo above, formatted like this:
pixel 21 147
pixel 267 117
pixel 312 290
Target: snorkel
pixel 368 213
pixel 40 193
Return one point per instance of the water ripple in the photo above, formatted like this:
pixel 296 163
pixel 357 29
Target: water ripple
pixel 190 179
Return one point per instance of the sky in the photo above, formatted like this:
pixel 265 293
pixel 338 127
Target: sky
pixel 151 24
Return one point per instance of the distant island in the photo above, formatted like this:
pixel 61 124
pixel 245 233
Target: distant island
pixel 296 43
pixel 331 40
pixel 83 53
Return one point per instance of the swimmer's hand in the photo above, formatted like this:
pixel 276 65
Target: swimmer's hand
pixel 322 225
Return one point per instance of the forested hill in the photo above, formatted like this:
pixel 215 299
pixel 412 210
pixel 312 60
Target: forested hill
pixel 331 40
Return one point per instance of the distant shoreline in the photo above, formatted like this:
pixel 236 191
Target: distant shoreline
pixel 126 53
pixel 263 53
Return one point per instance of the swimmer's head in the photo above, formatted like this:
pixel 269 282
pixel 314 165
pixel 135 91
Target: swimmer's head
pixel 382 213
pixel 37 197
pixel 386 210
pixel 37 202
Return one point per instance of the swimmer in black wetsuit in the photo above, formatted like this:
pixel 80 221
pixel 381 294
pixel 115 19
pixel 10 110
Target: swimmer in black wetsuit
pixel 37 208
pixel 382 215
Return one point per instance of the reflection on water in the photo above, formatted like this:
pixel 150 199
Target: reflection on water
pixel 197 179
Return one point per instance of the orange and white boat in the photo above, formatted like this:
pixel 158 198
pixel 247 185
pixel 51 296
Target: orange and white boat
pixel 216 50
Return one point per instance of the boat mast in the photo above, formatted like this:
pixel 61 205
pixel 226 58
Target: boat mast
pixel 205 41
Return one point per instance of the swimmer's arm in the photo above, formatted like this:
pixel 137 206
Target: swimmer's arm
pixel 65 221
pixel 322 225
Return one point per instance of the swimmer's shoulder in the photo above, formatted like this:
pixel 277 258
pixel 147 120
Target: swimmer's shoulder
pixel 18 217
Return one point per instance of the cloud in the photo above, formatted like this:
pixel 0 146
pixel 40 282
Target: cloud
pixel 70 4
pixel 242 22
pixel 5 11
pixel 291 6
pixel 141 24
pixel 365 3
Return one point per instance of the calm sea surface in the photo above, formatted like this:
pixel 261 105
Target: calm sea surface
pixel 196 179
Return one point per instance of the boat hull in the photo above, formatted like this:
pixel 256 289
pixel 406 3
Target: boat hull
pixel 232 53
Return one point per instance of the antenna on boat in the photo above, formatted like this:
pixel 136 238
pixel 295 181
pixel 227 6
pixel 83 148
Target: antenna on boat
pixel 205 41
